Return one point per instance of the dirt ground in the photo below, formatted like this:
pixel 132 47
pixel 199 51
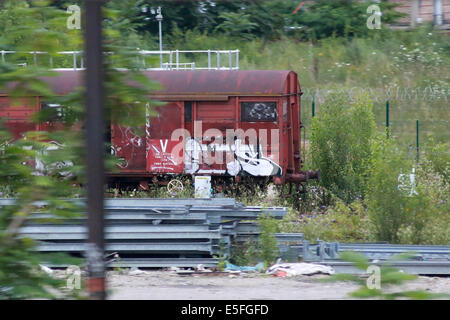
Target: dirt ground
pixel 166 285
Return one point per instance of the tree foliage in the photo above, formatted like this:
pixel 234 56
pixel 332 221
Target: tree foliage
pixel 43 28
pixel 388 277
pixel 236 24
pixel 265 19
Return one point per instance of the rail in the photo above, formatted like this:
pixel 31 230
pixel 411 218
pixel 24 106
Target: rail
pixel 171 59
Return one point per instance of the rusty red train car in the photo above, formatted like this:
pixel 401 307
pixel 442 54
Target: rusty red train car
pixel 220 123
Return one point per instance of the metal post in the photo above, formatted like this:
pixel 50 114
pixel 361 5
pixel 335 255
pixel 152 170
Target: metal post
pixel 170 60
pixel 209 59
pixel 74 60
pixel 95 133
pixel 417 140
pixel 237 59
pixel 437 6
pixel 159 17
pixel 218 60
pixel 387 118
pixel 414 12
pixel 230 59
pixel 160 44
pixel 305 250
pixel 177 58
pixel 313 107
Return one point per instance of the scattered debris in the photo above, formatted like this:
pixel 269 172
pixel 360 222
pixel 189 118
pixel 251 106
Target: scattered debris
pixel 135 271
pixel 201 268
pixel 47 270
pixel 207 273
pixel 295 269
pixel 232 267
pixel 173 269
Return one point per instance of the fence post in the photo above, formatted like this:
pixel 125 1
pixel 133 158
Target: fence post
pixel 209 59
pixel 218 60
pixel 387 118
pixel 74 60
pixel 313 107
pixel 417 140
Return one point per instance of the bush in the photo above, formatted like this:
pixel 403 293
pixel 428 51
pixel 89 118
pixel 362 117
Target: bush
pixel 428 213
pixel 341 222
pixel 386 202
pixel 264 248
pixel 401 215
pixel 341 145
pixel 267 242
pixel 245 254
pixel 437 159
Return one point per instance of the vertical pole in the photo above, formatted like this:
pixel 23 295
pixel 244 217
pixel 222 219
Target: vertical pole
pixel 160 44
pixel 437 6
pixel 218 60
pixel 230 58
pixel 417 140
pixel 237 59
pixel 313 107
pixel 209 59
pixel 387 118
pixel 95 133
pixel 414 12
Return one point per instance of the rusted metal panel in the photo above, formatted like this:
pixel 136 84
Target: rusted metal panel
pixel 16 115
pixel 162 158
pixel 215 111
pixel 130 147
pixel 242 82
pixel 188 97
pixel 167 120
pixel 215 83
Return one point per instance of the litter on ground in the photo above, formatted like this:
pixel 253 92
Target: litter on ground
pixel 232 267
pixel 297 269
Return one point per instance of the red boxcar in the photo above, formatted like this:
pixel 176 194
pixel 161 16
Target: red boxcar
pixel 218 123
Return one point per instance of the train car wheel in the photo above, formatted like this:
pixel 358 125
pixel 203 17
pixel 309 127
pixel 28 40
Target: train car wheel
pixel 174 186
